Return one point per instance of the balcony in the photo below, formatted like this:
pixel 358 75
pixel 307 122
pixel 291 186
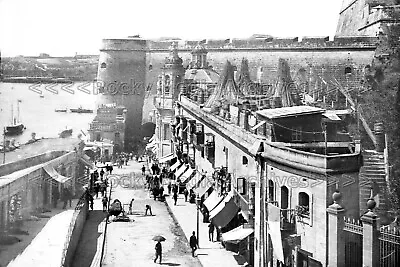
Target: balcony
pixel 165 102
pixel 287 218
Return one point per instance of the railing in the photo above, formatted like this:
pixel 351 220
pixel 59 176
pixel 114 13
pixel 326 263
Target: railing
pixel 78 208
pixel 353 236
pixel 288 219
pixel 352 225
pixel 389 247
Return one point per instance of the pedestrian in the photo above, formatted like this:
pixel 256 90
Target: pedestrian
pixel 158 251
pixel 90 201
pixel 130 206
pixel 193 243
pixel 186 193
pixel 143 170
pixel 104 201
pixel 67 198
pixel 169 187
pixel 111 169
pixel 56 196
pixel 101 173
pixel 96 189
pixel 148 208
pixel 175 197
pixel 211 228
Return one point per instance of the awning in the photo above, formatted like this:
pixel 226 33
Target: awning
pixel 194 181
pixel 331 116
pixel 86 161
pixel 204 186
pixel 55 175
pixel 236 235
pixel 212 201
pixel 166 158
pixel 180 171
pixel 176 165
pixel 186 175
pixel 224 212
pixel 153 138
pixel 257 147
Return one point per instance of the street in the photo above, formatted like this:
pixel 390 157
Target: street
pixel 130 243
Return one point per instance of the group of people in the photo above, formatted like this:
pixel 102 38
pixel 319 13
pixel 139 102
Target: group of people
pixel 66 196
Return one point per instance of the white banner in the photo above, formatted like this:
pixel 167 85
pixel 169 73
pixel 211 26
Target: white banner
pixel 274 230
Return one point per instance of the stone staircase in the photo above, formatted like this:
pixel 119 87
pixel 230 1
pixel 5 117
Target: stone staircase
pixel 373 169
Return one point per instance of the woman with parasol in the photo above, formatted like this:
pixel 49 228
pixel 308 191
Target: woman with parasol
pixel 158 246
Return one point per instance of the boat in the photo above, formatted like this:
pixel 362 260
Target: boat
pixel 81 110
pixel 60 110
pixel 65 133
pixel 41 96
pixel 16 127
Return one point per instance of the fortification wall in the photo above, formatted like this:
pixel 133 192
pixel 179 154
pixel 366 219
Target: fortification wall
pixel 122 79
pixel 361 17
pixel 314 61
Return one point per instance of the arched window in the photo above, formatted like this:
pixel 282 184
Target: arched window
pixel 304 204
pixel 271 190
pixel 167 84
pixel 103 65
pixel 347 70
pixel 245 161
pixel 150 67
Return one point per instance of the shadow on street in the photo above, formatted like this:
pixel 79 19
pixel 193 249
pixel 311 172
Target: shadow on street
pixel 87 246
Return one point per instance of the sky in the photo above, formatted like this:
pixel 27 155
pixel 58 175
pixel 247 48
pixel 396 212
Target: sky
pixel 63 28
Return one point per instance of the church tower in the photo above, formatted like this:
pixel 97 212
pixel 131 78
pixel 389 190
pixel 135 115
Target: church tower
pixel 168 84
pixel 199 57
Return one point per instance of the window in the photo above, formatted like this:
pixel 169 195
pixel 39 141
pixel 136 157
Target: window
pixel 150 67
pixel 271 190
pixel 167 84
pixel 296 133
pixel 245 161
pixel 241 186
pixel 117 137
pixel 103 65
pixel 303 209
pixel 347 70
pixel 167 132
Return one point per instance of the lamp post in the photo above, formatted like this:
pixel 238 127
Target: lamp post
pixel 198 218
pixel 4 145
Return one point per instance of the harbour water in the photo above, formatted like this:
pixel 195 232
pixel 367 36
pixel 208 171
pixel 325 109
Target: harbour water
pixel 37 112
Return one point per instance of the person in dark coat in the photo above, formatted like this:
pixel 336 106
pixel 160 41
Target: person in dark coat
pixel 105 202
pixel 193 243
pixel 211 228
pixel 67 196
pixel 143 170
pixel 185 193
pixel 169 186
pixel 175 197
pixel 158 249
pixel 56 196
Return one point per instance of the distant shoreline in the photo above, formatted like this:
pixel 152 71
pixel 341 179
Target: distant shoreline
pixel 41 80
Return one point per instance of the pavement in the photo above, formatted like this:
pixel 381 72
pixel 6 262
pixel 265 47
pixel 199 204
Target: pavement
pixel 210 253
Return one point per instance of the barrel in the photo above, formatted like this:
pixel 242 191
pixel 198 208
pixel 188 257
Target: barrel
pixel 380 136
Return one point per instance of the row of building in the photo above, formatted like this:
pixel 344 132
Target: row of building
pixel 289 171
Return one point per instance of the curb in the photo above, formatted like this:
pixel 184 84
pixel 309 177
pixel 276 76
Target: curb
pixel 177 223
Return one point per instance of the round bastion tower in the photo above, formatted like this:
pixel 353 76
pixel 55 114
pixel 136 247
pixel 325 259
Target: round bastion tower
pixel 121 79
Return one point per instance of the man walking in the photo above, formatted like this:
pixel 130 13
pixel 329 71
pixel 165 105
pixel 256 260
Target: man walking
pixel 158 251
pixel 104 201
pixel 186 193
pixel 143 170
pixel 211 232
pixel 193 243
pixel 175 197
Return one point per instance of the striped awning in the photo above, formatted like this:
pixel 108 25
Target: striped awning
pixel 180 171
pixel 186 176
pixel 176 165
pixel 194 181
pixel 166 158
pixel 212 201
pixel 203 187
pixel 224 212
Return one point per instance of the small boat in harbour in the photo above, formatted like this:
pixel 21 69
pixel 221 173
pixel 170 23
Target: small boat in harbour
pixel 81 110
pixel 60 110
pixel 66 133
pixel 16 127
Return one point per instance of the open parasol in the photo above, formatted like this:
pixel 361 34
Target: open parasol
pixel 159 238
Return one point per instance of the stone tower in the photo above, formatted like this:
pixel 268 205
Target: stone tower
pixel 363 17
pixel 199 57
pixel 121 80
pixel 171 78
